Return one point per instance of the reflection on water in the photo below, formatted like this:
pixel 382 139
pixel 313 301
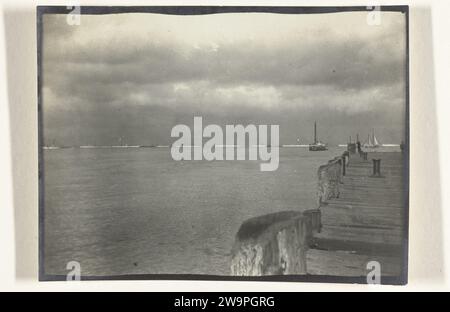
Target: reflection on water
pixel 132 211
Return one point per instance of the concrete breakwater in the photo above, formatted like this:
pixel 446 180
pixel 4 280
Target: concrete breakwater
pixel 274 244
pixel 329 179
pixel 277 244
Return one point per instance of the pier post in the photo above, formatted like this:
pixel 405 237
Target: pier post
pixel 379 167
pixel 365 155
pixel 343 164
pixel 376 167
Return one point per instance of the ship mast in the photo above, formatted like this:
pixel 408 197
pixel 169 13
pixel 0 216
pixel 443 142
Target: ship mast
pixel 315 132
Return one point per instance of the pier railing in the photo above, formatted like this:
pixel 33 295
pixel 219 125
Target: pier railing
pixel 276 244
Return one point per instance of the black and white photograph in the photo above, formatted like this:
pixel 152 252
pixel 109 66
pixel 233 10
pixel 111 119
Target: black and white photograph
pixel 224 143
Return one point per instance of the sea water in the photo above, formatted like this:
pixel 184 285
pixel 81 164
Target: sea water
pixel 137 211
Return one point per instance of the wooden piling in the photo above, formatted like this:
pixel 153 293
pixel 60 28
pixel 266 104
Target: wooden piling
pixel 376 172
pixel 343 164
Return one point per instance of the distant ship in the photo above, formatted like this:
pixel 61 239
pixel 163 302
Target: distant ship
pixel 51 147
pixel 372 141
pixel 317 145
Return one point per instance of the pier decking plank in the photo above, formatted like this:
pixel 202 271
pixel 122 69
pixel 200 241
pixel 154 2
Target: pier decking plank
pixel 365 223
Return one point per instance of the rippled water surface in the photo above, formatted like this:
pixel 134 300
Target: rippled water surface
pixel 135 210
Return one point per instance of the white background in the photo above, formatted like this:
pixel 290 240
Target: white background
pixel 430 153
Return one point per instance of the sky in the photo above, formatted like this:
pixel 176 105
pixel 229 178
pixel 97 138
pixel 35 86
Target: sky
pixel 132 77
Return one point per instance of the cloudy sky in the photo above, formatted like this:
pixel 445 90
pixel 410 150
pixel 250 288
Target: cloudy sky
pixel 136 76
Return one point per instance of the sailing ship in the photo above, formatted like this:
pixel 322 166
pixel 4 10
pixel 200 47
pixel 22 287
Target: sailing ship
pixel 372 141
pixel 317 145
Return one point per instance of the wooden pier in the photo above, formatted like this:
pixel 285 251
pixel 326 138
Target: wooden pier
pixel 359 218
pixel 365 222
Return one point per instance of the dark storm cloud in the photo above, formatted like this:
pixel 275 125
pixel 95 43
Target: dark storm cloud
pixel 350 63
pixel 113 77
